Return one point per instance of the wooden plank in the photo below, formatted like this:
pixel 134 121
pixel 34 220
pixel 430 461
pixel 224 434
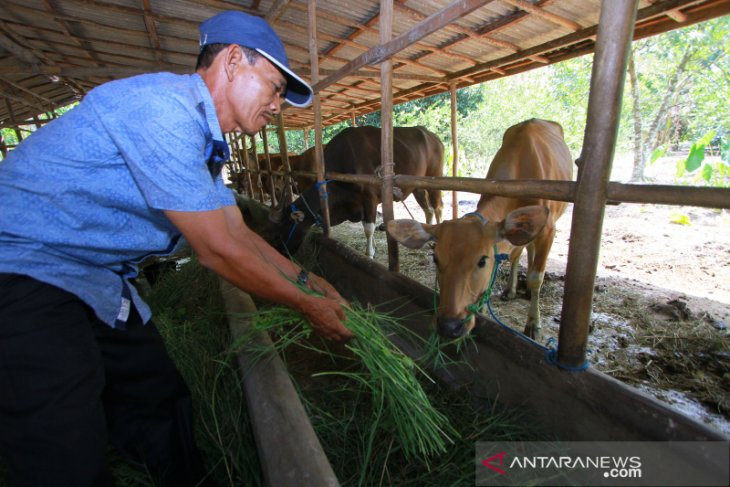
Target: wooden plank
pixel 288 447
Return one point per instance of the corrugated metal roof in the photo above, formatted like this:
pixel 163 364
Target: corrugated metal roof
pixel 54 51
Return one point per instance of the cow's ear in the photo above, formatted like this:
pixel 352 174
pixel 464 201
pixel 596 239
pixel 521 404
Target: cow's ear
pixel 523 224
pixel 411 233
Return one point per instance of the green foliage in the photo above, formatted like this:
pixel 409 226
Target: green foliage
pixel 680 219
pixel 712 173
pixel 657 153
pixel 697 152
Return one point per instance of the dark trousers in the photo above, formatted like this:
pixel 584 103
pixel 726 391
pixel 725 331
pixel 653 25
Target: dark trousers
pixel 70 385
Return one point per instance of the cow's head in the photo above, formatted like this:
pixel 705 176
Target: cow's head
pixel 289 221
pixel 464 253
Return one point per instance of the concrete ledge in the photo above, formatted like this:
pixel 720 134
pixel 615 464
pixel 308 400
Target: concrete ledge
pixel 289 450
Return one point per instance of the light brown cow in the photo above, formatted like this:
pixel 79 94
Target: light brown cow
pixel 465 249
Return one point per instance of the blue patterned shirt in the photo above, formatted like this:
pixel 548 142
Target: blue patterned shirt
pixel 82 199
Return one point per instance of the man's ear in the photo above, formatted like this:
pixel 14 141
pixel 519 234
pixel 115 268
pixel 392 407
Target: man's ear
pixel 232 61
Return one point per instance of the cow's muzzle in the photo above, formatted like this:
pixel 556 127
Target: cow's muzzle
pixel 453 327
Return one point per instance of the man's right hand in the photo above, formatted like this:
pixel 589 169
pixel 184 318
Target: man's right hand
pixel 326 317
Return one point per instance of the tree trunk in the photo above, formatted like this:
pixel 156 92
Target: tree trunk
pixel 639 154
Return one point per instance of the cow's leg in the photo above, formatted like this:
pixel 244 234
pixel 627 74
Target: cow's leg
pixel 370 209
pixel 535 277
pixel 369 229
pixel 434 197
pixel 514 271
pixel 422 198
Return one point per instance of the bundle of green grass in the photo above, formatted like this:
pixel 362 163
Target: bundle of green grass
pixel 386 373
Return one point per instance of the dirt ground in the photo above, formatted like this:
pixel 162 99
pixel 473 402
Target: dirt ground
pixel 661 300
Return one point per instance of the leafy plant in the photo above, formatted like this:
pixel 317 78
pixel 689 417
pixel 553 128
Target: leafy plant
pixel 712 173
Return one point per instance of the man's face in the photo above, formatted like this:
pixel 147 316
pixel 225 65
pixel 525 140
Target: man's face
pixel 254 96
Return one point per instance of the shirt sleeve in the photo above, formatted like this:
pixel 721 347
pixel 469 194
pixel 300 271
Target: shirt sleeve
pixel 225 193
pixel 162 141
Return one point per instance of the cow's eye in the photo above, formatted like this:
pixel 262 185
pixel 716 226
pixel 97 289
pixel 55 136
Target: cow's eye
pixel 482 261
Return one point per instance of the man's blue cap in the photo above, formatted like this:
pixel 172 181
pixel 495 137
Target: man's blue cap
pixel 233 27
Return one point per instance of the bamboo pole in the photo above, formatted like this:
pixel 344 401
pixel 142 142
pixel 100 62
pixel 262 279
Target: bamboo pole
pixel 455 151
pixel 615 29
pixel 386 130
pixel 318 151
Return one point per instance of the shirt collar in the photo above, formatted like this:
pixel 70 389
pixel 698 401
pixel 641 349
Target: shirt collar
pixel 210 114
pixel 217 152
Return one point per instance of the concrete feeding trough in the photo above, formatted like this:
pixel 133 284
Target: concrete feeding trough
pixel 574 406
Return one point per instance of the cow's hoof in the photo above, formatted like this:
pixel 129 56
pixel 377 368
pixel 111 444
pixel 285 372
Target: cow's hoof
pixel 533 332
pixel 508 295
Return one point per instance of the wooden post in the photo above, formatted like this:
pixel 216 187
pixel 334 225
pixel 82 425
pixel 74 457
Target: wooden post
pixel 455 151
pixel 284 152
pixel 318 151
pixel 247 164
pixel 3 147
pixel 386 131
pixel 16 128
pixel 254 166
pixel 615 29
pixel 267 163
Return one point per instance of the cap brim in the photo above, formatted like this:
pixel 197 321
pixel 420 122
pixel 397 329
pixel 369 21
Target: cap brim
pixel 298 92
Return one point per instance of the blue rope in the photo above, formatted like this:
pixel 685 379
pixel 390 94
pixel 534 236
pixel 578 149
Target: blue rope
pixel 323 192
pixel 550 349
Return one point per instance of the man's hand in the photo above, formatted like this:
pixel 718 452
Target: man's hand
pixel 326 317
pixel 320 285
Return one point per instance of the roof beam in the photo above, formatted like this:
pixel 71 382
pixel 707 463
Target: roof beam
pixel 544 14
pixel 149 23
pixel 15 86
pixel 20 52
pixel 377 54
pixel 276 10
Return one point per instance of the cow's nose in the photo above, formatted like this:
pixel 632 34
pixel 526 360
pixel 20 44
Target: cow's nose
pixel 451 327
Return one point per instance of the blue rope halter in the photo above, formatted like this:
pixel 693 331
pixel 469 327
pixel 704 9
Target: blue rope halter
pixel 322 190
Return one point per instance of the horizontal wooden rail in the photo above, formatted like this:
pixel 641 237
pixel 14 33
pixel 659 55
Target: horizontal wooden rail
pixel 556 190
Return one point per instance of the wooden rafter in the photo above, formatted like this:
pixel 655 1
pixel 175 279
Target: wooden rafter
pixel 149 22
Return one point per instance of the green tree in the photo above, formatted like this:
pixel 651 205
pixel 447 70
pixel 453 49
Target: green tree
pixel 674 82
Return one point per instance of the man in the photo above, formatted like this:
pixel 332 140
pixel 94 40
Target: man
pixel 132 172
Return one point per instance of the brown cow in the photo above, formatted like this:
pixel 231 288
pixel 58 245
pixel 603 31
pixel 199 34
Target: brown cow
pixel 416 152
pixel 304 162
pixel 297 162
pixel 465 249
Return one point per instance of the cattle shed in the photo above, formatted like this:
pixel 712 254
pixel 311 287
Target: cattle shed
pixel 365 56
